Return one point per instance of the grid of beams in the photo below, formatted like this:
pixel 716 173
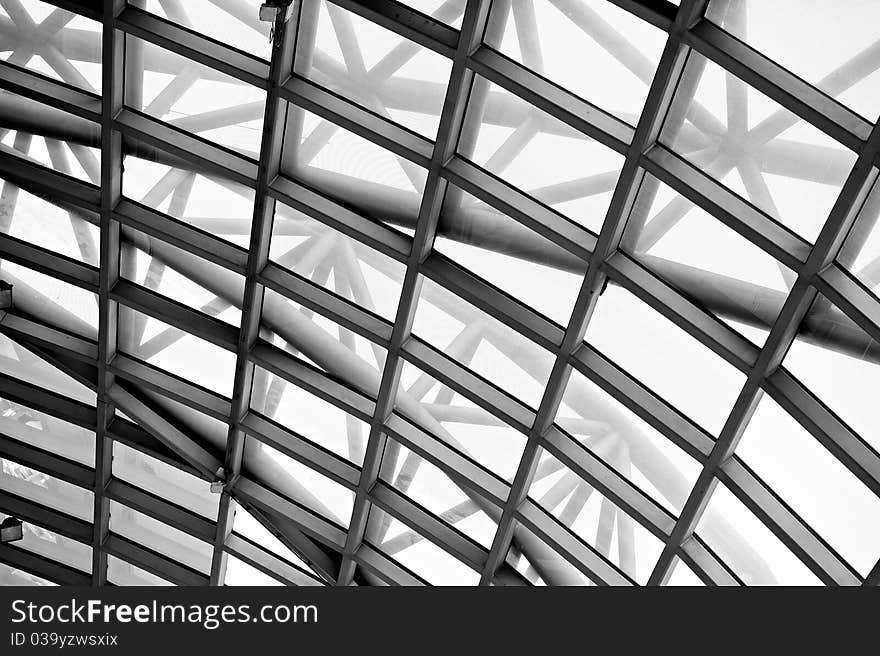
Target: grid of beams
pixel 343 555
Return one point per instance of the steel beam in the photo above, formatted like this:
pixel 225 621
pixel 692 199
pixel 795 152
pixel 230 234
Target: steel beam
pixel 408 23
pixel 790 91
pixel 153 562
pixel 193 46
pixel 274 119
pixel 42 567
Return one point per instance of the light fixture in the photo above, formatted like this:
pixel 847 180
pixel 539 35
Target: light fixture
pixel 219 483
pixel 269 10
pixel 11 530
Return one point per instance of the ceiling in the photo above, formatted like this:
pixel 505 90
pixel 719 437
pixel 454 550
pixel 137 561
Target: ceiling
pixel 496 292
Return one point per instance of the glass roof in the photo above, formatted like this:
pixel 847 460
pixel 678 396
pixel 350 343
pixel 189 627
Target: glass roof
pixel 462 292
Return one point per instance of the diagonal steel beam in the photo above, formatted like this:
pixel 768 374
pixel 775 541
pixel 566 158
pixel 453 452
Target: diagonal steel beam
pixel 274 120
pixel 452 118
pixel 660 96
pixel 113 60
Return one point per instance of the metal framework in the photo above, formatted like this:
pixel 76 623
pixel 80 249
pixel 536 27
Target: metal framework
pixel 289 303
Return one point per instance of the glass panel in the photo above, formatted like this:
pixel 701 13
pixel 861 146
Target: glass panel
pixel 23 119
pixel 53 546
pixel 46 432
pixel 298 482
pixel 120 572
pixel 239 572
pixel 521 564
pixel 233 24
pixel 170 271
pixel 310 416
pixel 861 251
pixel 783 165
pixel 163 480
pixel 844 30
pixel 747 546
pixel 555 562
pixel 511 256
pixel 429 487
pixel 352 170
pixel 11 576
pixel 210 431
pixel 629 445
pixel 37 487
pixel 814 483
pixel 682 575
pixel 18 362
pixel 554 39
pixel 245 524
pixel 222 208
pixel 838 362
pixel 176 351
pixel 195 98
pixel 596 520
pixel 540 155
pixel 423 557
pixel 665 358
pixel 73 233
pixel 311 331
pixel 375 67
pixel 690 249
pixel 55 302
pixel 335 261
pixel 482 343
pixel 754 333
pixel 52 41
pixel 155 535
pixel 467 427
